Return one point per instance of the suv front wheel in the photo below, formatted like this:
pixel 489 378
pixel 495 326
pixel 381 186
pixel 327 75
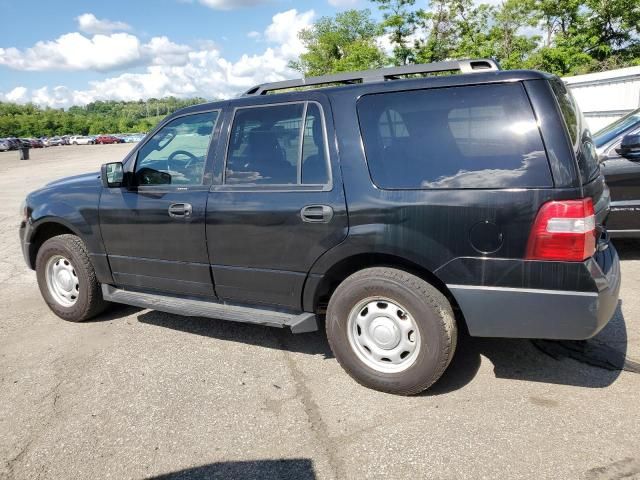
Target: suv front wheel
pixel 67 279
pixel 391 330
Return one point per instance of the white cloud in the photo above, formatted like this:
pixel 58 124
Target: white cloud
pixel 284 30
pixel 74 51
pixel 178 70
pixel 343 3
pixel 88 23
pixel 231 4
pixel 254 35
pixel 17 95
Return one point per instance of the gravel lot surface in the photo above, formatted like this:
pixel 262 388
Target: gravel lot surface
pixel 139 394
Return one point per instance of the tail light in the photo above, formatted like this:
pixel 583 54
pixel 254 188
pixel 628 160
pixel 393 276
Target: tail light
pixel 563 230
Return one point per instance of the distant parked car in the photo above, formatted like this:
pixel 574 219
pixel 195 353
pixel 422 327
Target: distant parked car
pixel 4 145
pixel 81 140
pixel 104 139
pixel 14 143
pixel 618 148
pixel 134 138
pixel 36 143
pixel 65 140
pixel 53 142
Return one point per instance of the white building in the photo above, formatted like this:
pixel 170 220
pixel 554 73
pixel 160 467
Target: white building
pixel 606 96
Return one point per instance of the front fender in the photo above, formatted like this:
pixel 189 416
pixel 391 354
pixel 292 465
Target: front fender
pixel 74 207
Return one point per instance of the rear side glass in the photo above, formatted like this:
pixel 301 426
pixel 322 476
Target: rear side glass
pixel 482 136
pixel 578 131
pixel 277 145
pixel 315 165
pixel 265 145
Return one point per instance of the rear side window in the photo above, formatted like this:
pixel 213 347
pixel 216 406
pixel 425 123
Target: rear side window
pixel 278 145
pixel 578 132
pixel 482 136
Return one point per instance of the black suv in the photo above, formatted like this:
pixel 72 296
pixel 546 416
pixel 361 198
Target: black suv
pixel 402 209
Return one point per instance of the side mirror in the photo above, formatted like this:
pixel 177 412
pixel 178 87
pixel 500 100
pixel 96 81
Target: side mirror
pixel 112 175
pixel 630 147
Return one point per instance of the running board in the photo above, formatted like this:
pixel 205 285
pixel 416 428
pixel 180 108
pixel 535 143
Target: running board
pixel 190 307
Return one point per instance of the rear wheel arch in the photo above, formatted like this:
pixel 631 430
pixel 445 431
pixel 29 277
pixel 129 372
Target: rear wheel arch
pixel 318 299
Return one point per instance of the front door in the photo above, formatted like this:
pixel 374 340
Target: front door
pixel 154 228
pixel 623 179
pixel 279 204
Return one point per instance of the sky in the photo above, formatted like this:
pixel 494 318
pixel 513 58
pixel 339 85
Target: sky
pixel 72 52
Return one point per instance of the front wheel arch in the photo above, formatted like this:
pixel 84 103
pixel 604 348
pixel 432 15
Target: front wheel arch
pixel 43 232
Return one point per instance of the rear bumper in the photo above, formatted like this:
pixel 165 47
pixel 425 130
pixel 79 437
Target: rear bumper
pixel 536 313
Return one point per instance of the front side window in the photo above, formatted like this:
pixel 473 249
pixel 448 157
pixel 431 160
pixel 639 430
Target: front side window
pixel 277 145
pixel 177 153
pixel 459 137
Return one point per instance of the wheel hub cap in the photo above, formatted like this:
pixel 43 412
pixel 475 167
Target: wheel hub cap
pixel 64 278
pixel 62 281
pixel 383 335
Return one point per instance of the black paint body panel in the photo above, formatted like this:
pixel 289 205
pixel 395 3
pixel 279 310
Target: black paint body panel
pixel 251 245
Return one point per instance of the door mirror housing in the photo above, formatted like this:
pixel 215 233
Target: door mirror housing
pixel 112 175
pixel 630 147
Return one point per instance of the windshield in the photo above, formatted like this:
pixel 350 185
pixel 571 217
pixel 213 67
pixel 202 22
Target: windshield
pixel 610 132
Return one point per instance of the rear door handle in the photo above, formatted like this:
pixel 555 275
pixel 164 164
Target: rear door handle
pixel 180 210
pixel 316 214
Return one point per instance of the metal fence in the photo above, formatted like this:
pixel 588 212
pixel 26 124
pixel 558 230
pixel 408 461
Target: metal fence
pixel 604 97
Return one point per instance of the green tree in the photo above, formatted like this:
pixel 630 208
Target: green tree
pixel 401 22
pixel 94 118
pixel 342 43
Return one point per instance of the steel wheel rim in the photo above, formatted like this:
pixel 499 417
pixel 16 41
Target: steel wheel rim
pixel 383 335
pixel 62 281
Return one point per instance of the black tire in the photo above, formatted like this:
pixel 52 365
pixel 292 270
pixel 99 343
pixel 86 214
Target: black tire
pixel 89 302
pixel 428 307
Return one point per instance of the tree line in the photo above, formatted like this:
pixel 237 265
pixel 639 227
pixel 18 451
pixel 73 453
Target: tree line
pixel 92 119
pixel 564 37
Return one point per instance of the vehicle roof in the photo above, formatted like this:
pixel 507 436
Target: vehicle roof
pixel 435 81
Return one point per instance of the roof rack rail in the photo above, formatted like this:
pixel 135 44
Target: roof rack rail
pixel 380 74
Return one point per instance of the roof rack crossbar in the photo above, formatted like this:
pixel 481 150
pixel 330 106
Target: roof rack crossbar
pixel 380 74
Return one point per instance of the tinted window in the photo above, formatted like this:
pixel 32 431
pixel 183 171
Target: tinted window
pixel 271 145
pixel 579 134
pixel 177 153
pixel 568 109
pixel 315 163
pixel 463 137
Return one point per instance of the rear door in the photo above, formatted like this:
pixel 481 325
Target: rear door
pixel 278 204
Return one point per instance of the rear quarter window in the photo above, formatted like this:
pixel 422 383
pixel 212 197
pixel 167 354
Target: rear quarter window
pixel 483 136
pixel 579 134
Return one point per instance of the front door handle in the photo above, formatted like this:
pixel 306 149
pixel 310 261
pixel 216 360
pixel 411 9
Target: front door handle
pixel 180 210
pixel 316 214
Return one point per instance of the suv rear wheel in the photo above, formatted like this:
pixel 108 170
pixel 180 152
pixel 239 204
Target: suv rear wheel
pixel 391 330
pixel 67 279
